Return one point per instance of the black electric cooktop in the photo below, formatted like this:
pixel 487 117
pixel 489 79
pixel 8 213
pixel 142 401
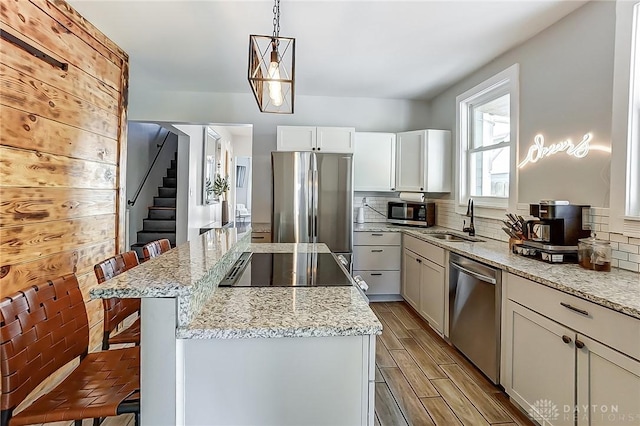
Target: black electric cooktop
pixel 285 270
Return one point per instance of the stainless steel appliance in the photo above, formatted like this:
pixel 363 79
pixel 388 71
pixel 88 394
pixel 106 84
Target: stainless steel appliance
pixel 474 313
pixel 553 237
pixel 313 199
pixel 411 213
pixel 286 269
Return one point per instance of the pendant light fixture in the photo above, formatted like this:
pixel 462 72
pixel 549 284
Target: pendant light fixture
pixel 272 68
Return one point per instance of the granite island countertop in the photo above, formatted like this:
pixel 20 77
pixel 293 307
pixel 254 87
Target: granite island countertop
pixel 191 273
pixel 257 312
pixel 618 290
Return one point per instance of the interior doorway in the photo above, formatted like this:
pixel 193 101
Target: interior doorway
pixel 243 190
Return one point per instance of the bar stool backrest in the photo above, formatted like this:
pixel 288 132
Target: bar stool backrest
pixel 116 310
pixel 42 328
pixel 155 249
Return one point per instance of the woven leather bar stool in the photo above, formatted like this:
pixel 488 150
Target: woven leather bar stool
pixel 44 327
pixel 155 249
pixel 117 310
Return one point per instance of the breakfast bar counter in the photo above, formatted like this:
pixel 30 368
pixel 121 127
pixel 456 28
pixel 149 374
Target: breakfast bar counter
pixel 205 349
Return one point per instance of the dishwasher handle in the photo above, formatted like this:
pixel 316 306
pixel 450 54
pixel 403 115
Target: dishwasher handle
pixel 474 274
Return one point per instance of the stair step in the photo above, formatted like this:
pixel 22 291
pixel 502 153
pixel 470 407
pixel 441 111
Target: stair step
pixel 173 163
pixel 158 225
pixel 163 213
pixel 164 201
pixel 169 182
pixel 146 237
pixel 167 192
pixel 171 173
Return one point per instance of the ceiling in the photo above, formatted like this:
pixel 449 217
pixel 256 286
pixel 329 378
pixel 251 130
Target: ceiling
pixel 373 49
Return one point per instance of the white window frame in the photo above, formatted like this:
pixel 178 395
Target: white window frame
pixel 504 82
pixel 625 132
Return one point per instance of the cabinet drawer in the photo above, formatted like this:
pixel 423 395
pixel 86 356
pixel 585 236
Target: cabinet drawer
pixel 424 249
pixel 376 258
pixel 261 237
pixel 376 238
pixel 612 328
pixel 381 282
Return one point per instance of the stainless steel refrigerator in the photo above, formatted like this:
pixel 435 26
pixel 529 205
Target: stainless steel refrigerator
pixel 313 199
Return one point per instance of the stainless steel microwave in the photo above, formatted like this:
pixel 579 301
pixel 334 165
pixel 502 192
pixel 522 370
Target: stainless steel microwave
pixel 409 213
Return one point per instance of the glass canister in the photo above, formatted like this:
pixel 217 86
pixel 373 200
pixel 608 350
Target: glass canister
pixel 594 254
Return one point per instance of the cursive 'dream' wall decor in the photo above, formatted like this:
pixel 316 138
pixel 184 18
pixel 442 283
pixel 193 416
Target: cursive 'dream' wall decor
pixel 538 151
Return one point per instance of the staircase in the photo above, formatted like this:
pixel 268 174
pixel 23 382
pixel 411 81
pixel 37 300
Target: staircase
pixel 161 220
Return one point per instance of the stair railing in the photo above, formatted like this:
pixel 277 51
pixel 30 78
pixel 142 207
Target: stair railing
pixel 144 180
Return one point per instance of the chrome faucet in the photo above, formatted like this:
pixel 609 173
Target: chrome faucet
pixel 470 229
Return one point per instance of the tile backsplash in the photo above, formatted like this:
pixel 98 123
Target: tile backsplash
pixel 625 250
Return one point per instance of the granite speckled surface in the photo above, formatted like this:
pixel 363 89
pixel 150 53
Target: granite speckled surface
pixel 618 290
pixel 189 272
pixel 242 313
pixel 271 312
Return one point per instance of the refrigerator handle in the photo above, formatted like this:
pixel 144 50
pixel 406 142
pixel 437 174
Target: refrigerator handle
pixel 310 205
pixel 315 201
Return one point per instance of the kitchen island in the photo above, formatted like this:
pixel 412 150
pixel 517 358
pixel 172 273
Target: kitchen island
pixel 247 355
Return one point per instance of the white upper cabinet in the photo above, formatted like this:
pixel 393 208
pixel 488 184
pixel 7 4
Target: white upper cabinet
pixel 423 161
pixel 374 161
pixel 322 139
pixel 335 139
pixel 296 138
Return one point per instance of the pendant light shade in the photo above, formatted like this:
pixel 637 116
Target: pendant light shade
pixel 272 69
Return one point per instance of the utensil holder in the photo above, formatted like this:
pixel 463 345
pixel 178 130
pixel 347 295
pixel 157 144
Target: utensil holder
pixel 512 243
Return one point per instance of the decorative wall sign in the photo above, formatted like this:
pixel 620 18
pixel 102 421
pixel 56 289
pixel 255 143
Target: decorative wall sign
pixel 538 150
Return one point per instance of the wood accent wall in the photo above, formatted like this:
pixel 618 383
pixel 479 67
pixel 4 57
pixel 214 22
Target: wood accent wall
pixel 62 149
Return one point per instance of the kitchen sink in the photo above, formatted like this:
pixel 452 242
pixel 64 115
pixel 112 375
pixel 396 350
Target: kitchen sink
pixel 453 237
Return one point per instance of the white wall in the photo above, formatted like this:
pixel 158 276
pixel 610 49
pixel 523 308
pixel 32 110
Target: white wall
pixel 190 158
pixel 362 113
pixel 566 84
pixel 142 139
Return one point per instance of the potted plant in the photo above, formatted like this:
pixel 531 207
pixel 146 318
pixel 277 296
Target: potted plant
pixel 220 188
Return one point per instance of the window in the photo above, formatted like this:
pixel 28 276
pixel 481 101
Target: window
pixel 625 134
pixel 486 146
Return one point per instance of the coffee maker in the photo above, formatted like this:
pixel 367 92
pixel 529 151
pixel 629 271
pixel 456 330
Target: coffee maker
pixel 554 235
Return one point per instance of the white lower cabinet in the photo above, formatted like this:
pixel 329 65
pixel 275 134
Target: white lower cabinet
pixel 423 280
pixel 376 258
pixel 608 385
pixel 432 294
pixel 557 372
pixel 541 365
pixel 411 278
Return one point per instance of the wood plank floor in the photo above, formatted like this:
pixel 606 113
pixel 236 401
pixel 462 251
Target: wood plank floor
pixel 422 380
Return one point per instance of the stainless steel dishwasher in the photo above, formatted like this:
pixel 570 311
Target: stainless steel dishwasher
pixel 474 313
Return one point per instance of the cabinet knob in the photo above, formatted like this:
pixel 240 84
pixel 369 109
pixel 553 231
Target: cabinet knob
pixel 566 339
pixel 579 344
pixel 421 189
pixel 318 149
pixel 418 260
pixel 313 149
pixel 393 189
